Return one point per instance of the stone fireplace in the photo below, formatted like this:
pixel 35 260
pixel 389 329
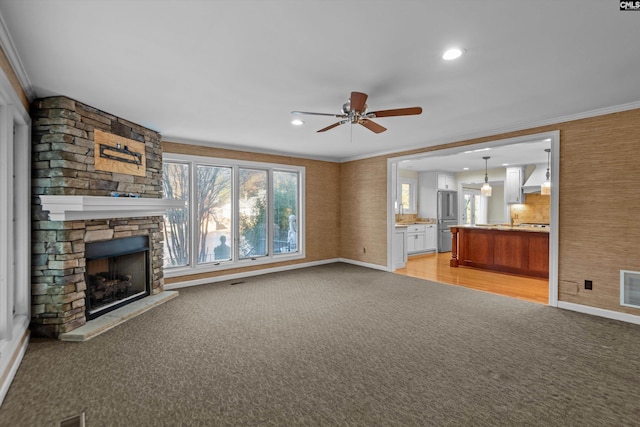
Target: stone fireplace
pixel 91 252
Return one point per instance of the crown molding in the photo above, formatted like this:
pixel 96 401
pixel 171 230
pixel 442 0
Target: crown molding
pixel 6 43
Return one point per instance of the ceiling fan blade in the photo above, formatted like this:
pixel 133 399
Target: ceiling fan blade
pixel 357 101
pixel 331 126
pixel 411 111
pixel 372 126
pixel 319 114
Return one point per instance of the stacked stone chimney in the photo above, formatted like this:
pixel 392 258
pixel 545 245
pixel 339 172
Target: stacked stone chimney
pixel 63 164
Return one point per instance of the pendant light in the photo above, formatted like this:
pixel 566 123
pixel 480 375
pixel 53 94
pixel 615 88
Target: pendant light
pixel 486 188
pixel 545 188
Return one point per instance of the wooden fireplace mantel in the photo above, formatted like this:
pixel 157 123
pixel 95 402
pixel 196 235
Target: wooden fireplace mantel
pixel 73 208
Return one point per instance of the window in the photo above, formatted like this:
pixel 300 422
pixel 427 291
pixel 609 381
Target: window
pixel 253 213
pixel 213 186
pixel 236 214
pixel 15 222
pixel 407 199
pixel 175 184
pixel 285 212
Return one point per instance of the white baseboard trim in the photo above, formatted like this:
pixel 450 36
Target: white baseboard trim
pixel 225 277
pixel 601 312
pixel 12 362
pixel 364 264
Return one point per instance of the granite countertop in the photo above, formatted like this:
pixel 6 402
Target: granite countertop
pixel 505 227
pixel 406 224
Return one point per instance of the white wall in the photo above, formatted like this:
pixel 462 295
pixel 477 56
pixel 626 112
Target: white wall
pixel 496 203
pixel 427 195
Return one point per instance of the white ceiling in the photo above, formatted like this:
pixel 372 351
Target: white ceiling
pixel 228 73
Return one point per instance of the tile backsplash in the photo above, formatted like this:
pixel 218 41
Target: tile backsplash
pixel 537 209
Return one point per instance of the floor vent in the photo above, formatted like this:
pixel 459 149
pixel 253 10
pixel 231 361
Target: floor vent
pixel 630 288
pixel 75 421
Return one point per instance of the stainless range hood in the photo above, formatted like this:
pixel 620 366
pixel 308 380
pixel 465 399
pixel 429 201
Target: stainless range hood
pixel 536 179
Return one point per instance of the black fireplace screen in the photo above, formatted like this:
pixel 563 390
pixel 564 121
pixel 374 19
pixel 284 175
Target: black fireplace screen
pixel 117 273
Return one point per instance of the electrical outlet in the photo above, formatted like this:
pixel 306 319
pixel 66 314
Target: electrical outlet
pixel 588 284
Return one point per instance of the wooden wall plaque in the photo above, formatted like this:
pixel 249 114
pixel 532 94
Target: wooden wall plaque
pixel 115 153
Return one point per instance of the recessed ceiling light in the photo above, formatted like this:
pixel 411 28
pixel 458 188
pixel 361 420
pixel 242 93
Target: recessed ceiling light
pixel 452 53
pixel 465 169
pixel 505 164
pixel 297 122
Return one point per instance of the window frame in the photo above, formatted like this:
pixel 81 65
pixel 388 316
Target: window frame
pixel 413 195
pixel 192 266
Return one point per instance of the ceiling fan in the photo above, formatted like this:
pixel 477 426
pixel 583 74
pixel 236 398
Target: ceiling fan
pixel 355 111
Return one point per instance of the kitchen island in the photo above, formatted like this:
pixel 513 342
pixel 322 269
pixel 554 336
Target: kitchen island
pixel 511 249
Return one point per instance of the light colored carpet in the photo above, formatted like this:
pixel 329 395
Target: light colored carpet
pixel 337 345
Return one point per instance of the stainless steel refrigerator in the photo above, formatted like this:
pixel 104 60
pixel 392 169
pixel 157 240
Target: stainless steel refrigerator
pixel 447 216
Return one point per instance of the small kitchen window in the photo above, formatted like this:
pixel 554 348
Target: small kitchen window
pixel 407 196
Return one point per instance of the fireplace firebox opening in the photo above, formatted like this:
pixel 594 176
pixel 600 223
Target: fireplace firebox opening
pixel 117 273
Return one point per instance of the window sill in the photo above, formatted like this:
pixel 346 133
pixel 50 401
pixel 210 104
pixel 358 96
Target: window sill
pixel 229 265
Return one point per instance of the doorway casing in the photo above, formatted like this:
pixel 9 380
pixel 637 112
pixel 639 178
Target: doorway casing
pixel 553 136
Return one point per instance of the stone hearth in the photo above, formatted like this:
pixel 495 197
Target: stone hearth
pixel 63 165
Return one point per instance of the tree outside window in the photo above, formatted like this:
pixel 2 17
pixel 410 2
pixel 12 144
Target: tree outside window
pixel 285 211
pixel 253 213
pixel 213 186
pixel 234 214
pixel 175 185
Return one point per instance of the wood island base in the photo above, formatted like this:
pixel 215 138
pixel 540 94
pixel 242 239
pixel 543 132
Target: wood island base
pixel 516 250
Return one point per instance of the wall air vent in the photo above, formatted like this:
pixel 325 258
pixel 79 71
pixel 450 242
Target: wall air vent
pixel 630 288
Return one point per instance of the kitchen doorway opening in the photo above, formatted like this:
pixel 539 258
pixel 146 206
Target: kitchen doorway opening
pixel 517 144
pixel 474 208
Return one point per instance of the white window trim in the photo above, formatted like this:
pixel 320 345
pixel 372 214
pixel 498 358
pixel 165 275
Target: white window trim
pixel 271 258
pixel 15 232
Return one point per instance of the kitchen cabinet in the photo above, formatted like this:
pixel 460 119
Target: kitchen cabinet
pixel 446 181
pixel 400 248
pixel 416 242
pixel 430 237
pixel 416 238
pixel 421 238
pixel 513 185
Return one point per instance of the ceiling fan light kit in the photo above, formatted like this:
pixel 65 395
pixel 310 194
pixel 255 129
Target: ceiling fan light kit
pixel 354 111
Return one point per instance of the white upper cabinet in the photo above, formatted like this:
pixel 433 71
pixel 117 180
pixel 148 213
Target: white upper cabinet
pixel 446 181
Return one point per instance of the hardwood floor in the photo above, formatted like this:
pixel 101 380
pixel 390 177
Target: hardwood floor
pixel 435 267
